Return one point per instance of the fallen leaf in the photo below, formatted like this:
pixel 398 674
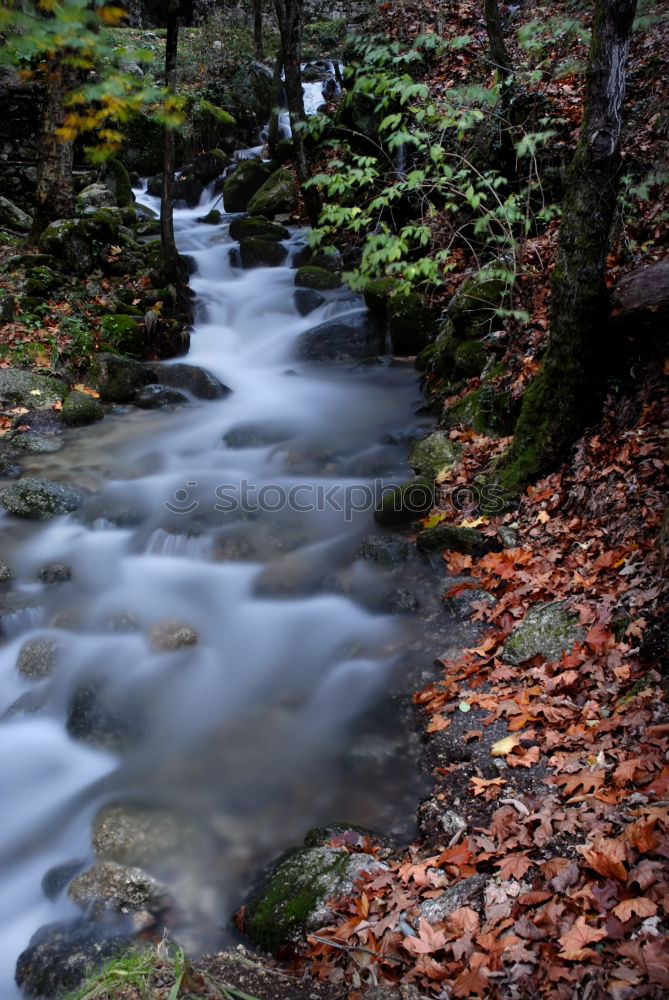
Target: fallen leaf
pixel 505 746
pixel 640 907
pixel 577 938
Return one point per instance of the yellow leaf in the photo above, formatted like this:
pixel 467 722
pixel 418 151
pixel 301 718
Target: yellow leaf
pixel 543 516
pixel 437 723
pixel 115 250
pixel 473 523
pixel 112 15
pixel 35 392
pixel 443 474
pixel 80 387
pixel 433 519
pixel 505 746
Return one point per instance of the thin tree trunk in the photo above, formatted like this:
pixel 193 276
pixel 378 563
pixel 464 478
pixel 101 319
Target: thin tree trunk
pixel 566 392
pixel 257 29
pixel 277 90
pixel 498 50
pixel 54 194
pixel 170 256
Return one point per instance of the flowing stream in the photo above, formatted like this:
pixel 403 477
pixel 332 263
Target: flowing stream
pixel 222 516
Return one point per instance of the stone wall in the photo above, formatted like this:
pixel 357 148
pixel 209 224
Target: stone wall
pixel 20 102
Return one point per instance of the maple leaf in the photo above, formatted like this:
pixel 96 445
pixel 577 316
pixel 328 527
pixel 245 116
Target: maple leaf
pixel 577 938
pixel 429 939
pixel 640 907
pixel 470 982
pixel 606 858
pixel 513 866
pixel 488 787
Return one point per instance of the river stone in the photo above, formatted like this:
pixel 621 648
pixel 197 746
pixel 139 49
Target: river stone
pixel 256 252
pixel 13 217
pixel 385 550
pixel 79 408
pixel 278 195
pixel 109 885
pixel 547 630
pixel 317 278
pixel 351 338
pixel 469 541
pixel 61 955
pixel 5 572
pixel 94 196
pixel 190 378
pixel 134 835
pixel 36 444
pixel 212 218
pixel 65 240
pixel 57 878
pixel 256 435
pixel 243 182
pixel 165 637
pixel 20 388
pixel 411 323
pixel 118 378
pixel 461 894
pixel 293 896
pixel 242 228
pixel 93 716
pixel 154 396
pixel 433 454
pixel 40 498
pixel 37 658
pixel 54 573
pixel 406 502
pixel 306 300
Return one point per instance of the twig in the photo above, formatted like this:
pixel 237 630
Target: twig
pixel 352 947
pixel 519 805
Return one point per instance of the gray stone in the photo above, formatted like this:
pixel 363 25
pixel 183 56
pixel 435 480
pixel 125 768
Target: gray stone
pixel 5 572
pixel 277 195
pixel 21 388
pixel 461 894
pixel 135 835
pixel 40 498
pixel 317 278
pixel 256 435
pixel 385 550
pixel 189 378
pixel 350 338
pixel 54 573
pixel 257 252
pixel 306 300
pixel 36 444
pixel 433 454
pixel 79 408
pixel 94 196
pixel 118 378
pixel 165 637
pixel 13 217
pixel 38 658
pixel 547 630
pixel 154 397
pixel 7 308
pixel 242 183
pixel 469 541
pixel 112 886
pixel 407 502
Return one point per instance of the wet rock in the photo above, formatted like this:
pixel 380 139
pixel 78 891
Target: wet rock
pixel 241 229
pixel 9 469
pixel 61 955
pixel 351 338
pixel 70 244
pixel 212 218
pixel 94 196
pixel 79 409
pixel 317 278
pixel 306 300
pixel 256 435
pixel 406 502
pixel 242 183
pixel 402 601
pixel 37 444
pixel 20 388
pixel 133 835
pixel 13 217
pixel 54 573
pixel 385 550
pixel 433 453
pixel 411 323
pixel 118 378
pixel 40 498
pixel 96 717
pixel 5 572
pixel 165 637
pixel 256 252
pixel 194 177
pixel 463 893
pixel 547 630
pixel 189 378
pixel 278 195
pixel 117 179
pixel 123 334
pixel 38 658
pixel 293 896
pixel 154 397
pixel 109 885
pixel 57 878
pixel 469 541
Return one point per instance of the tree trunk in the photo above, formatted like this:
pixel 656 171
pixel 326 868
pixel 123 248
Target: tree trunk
pixel 278 95
pixel 257 29
pixel 54 194
pixel 567 389
pixel 169 254
pixel 498 52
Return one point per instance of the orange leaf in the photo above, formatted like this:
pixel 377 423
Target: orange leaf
pixel 429 940
pixel 470 982
pixel 574 942
pixel 513 866
pixel 642 907
pixel 437 723
pixel 605 859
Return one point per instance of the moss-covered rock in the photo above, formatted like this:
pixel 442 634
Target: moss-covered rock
pixel 547 630
pixel 429 456
pixel 122 333
pixel 411 323
pixel 278 195
pixel 242 183
pixel 293 897
pixel 317 278
pixel 95 195
pixel 206 126
pixel 109 885
pixel 212 218
pixel 143 150
pixel 117 378
pixel 79 408
pixel 406 502
pixel 469 541
pixel 471 311
pixel 117 179
pixel 469 358
pixel 486 410
pixel 45 276
pixel 21 388
pixel 38 499
pixel 256 252
pixel 377 295
pixel 13 217
pixel 244 227
pixel 70 245
pixel 7 307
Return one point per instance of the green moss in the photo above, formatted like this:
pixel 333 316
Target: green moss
pixel 117 179
pixel 243 227
pixel 212 218
pixel 411 322
pixel 406 502
pixel 469 358
pixel 79 409
pixel 486 410
pixel 547 630
pixel 242 183
pixel 122 333
pixel 277 196
pixel 317 278
pixel 433 453
pixel 255 252
pixel 377 295
pixel 447 536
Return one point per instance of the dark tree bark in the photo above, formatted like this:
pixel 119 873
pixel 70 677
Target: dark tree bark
pixel 169 254
pixel 54 194
pixel 278 98
pixel 498 51
pixel 257 29
pixel 566 393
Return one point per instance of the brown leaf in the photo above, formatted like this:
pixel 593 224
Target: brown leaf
pixel 574 942
pixel 429 940
pixel 513 866
pixel 641 907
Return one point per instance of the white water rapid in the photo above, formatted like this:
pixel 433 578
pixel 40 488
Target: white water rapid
pixel 251 732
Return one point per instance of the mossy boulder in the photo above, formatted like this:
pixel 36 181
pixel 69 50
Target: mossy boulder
pixel 429 456
pixel 449 537
pixel 49 279
pixel 7 307
pixel 123 334
pixel 547 630
pixel 469 358
pixel 117 179
pixel 13 217
pixel 117 378
pixel 79 409
pixel 21 388
pixel 377 295
pixel 487 410
pixel 471 311
pixel 277 196
pixel 212 218
pixel 206 126
pixel 242 183
pixel 411 323
pixel 70 245
pixel 406 502
pixel 38 499
pixel 256 252
pixel 245 227
pixel 293 896
pixel 95 195
pixel 317 278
